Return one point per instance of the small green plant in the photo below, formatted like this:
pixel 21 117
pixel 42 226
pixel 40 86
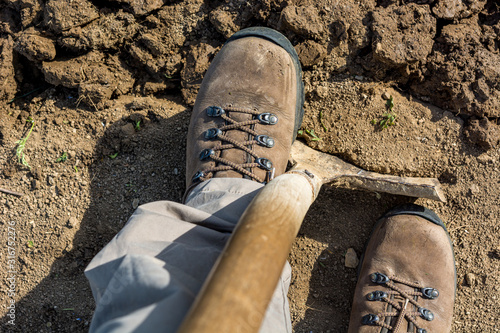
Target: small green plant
pixel 29 244
pixel 76 169
pixel 113 156
pixel 21 144
pixel 313 135
pixel 321 121
pixel 137 125
pixel 63 157
pixel 388 118
pixel 310 133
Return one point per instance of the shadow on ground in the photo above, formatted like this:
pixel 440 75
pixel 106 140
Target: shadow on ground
pixel 146 169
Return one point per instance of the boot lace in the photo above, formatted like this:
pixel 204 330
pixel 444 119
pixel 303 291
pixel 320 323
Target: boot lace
pixel 396 309
pixel 219 133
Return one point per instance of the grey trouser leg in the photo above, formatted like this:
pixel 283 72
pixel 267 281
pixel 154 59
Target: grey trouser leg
pixel 147 277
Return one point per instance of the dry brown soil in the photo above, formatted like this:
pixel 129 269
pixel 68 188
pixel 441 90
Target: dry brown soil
pixel 88 71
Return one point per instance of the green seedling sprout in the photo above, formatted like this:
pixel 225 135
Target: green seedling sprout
pixel 21 144
pixel 76 169
pixel 29 244
pixel 389 118
pixel 137 125
pixel 113 156
pixel 321 121
pixel 63 157
pixel 310 133
pixel 313 135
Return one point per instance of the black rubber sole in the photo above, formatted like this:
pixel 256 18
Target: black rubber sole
pixel 412 209
pixel 278 38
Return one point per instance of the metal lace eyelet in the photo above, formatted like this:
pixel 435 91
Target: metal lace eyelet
pixel 421 330
pixel 376 295
pixel 430 293
pixel 206 153
pixel 369 319
pixel 215 111
pixel 267 118
pixel 197 176
pixel 426 314
pixel 379 278
pixel 212 133
pixel 264 140
pixel 264 163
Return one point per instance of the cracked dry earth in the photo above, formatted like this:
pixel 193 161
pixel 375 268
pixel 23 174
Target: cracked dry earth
pixel 86 72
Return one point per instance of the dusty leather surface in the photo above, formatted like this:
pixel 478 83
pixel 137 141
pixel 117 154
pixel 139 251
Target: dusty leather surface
pixel 414 249
pixel 248 73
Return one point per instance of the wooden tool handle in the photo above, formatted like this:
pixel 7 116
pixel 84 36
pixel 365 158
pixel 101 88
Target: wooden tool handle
pixel 238 290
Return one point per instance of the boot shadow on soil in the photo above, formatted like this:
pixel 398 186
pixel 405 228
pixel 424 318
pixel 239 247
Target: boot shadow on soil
pixel 148 171
pixel 347 225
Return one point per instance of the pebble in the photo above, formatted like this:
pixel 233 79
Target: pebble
pixel 35 185
pixel 322 91
pixel 359 77
pixel 351 259
pixel 50 180
pixel 386 95
pixel 471 279
pixel 72 222
pixel 135 203
pixel 474 189
pixel 176 171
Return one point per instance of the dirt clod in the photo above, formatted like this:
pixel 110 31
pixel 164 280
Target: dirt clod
pixel 483 133
pixel 34 47
pixel 403 35
pixel 310 53
pixel 303 21
pixel 7 75
pixel 60 15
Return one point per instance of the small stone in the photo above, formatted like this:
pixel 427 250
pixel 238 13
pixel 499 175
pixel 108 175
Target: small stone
pixel 176 171
pixel 359 77
pixel 364 96
pixel 322 91
pixel 474 189
pixel 135 203
pixel 72 222
pixel 484 158
pixel 351 259
pixel 35 185
pixel 50 180
pixel 386 96
pixel 471 279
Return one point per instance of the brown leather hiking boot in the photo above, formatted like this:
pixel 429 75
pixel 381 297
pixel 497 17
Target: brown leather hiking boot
pixel 247 111
pixel 407 278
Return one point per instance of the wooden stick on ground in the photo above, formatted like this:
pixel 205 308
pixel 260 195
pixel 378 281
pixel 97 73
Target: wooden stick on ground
pixel 11 192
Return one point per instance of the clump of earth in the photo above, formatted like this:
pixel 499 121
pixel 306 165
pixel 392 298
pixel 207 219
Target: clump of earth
pixel 111 85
